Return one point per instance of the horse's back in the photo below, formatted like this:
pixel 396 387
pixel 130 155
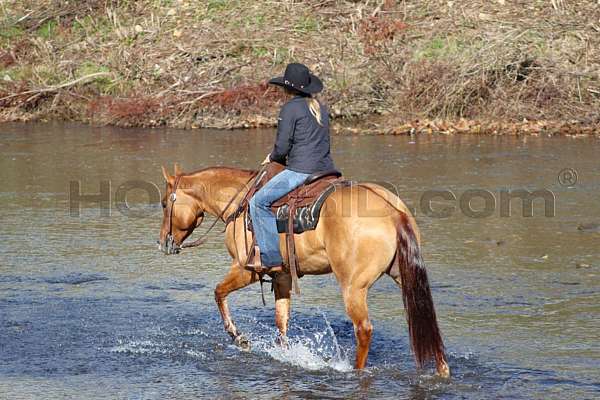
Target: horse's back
pixel 397 203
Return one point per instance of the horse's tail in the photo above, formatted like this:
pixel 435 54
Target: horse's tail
pixel 425 338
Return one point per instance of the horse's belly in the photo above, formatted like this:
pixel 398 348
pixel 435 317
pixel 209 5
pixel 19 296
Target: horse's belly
pixel 314 264
pixel 311 255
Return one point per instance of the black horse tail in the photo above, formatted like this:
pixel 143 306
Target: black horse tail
pixel 425 337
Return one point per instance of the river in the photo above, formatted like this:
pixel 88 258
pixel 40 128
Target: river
pixel 89 308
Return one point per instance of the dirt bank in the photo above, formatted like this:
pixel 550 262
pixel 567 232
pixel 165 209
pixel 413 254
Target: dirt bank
pixel 389 67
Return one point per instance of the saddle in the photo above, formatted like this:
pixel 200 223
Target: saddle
pixel 303 203
pixel 296 212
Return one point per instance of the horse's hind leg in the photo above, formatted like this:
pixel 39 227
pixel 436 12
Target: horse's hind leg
pixel 355 300
pixel 283 287
pixel 237 278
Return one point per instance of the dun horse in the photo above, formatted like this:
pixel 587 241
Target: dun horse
pixel 364 232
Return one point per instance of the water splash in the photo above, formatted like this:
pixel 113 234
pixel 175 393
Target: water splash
pixel 154 347
pixel 139 347
pixel 310 350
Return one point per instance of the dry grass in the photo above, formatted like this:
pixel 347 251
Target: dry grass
pixel 204 63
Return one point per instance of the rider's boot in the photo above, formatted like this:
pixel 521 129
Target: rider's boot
pixel 255 263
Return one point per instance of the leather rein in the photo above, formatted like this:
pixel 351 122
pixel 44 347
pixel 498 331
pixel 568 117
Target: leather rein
pixel 172 246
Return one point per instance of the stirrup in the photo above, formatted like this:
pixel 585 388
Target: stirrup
pixel 255 264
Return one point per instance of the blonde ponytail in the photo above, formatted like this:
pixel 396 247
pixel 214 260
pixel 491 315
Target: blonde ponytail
pixel 315 109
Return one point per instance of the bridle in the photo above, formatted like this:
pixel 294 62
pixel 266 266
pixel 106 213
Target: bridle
pixel 174 248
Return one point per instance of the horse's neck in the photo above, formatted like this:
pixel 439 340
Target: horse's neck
pixel 216 189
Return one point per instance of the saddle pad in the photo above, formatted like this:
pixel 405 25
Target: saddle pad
pixel 306 218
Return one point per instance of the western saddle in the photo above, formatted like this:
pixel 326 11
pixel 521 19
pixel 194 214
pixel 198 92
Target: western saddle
pixel 296 212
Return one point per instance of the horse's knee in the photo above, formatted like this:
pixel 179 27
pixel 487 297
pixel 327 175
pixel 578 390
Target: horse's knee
pixel 219 294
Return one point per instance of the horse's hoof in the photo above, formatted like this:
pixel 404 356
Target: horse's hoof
pixel 242 342
pixel 282 341
pixel 443 370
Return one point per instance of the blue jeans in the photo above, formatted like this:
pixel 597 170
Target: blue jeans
pixel 263 220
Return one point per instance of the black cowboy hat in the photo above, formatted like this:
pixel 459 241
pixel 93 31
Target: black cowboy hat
pixel 298 77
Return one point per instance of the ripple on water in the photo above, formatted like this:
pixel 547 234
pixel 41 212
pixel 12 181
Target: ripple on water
pixel 177 285
pixel 75 278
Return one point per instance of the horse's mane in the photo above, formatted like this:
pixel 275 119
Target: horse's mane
pixel 223 168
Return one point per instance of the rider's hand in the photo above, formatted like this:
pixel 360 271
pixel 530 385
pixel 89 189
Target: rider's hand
pixel 267 159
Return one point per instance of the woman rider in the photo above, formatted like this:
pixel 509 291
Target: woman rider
pixel 302 144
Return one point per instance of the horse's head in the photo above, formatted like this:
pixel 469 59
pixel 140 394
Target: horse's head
pixel 182 213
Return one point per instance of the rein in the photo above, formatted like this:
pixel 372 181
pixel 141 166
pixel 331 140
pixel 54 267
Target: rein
pixel 202 239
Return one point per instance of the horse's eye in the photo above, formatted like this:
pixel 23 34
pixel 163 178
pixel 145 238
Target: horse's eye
pixel 163 204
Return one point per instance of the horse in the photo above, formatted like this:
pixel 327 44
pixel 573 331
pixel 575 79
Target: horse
pixel 364 232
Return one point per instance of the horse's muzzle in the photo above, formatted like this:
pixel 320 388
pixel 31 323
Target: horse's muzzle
pixel 169 246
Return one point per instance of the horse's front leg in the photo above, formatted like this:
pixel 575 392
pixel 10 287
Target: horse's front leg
pixel 283 287
pixel 235 279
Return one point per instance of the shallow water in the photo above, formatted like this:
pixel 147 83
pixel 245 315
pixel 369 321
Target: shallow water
pixel 90 309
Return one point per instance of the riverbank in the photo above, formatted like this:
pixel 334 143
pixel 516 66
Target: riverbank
pixel 389 67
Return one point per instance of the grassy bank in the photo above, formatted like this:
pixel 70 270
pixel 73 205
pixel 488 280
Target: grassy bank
pixel 389 66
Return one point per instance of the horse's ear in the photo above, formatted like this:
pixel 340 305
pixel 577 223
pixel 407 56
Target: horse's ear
pixel 177 169
pixel 168 177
